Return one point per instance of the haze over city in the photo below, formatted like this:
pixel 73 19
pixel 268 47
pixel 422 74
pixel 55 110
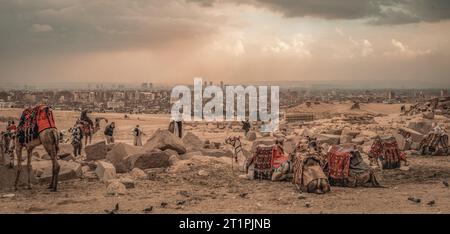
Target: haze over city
pixel 171 42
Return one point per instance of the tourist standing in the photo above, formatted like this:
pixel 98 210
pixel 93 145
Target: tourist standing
pixel 109 133
pixel 137 133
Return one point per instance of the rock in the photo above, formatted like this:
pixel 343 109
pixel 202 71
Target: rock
pixel 334 131
pixel 116 188
pixel 105 171
pixel 128 182
pixel 345 139
pixel 192 141
pixel 148 160
pixel 111 146
pixel 96 151
pixel 163 139
pixel 8 195
pixel 171 152
pixel 401 141
pixel 428 115
pixel 68 170
pixel 217 152
pixel 118 154
pixel 65 149
pixel 203 173
pixel 88 173
pixel 328 138
pixel 251 136
pixel 421 126
pixel 153 172
pixel 358 140
pixel 138 174
pixel 173 159
pixel 415 135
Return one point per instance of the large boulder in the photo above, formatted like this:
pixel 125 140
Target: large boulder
pixel 217 152
pixel 118 154
pixel 163 139
pixel 105 171
pixel 415 135
pixel 138 174
pixel 65 150
pixel 421 126
pixel 68 170
pixel 148 160
pixel 192 141
pixel 328 139
pixel 358 140
pixel 96 151
pixel 116 188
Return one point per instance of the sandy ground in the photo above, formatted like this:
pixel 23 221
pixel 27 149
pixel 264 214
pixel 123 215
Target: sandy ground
pixel 181 189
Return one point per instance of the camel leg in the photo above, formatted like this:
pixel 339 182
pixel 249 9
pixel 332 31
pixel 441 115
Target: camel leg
pixel 19 165
pixel 55 172
pixel 29 153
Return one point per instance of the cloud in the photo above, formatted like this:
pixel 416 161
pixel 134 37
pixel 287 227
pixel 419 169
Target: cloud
pixel 355 48
pixel 41 28
pixel 402 50
pixel 295 44
pixel 372 11
pixel 80 26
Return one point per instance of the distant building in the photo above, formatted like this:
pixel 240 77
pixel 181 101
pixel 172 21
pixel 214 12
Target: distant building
pixel 6 104
pixel 115 104
pixel 444 93
pixel 144 86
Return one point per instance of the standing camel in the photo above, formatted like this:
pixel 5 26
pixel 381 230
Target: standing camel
pixel 239 156
pixel 49 138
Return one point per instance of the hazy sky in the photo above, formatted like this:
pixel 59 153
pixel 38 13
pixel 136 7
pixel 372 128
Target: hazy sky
pixel 248 40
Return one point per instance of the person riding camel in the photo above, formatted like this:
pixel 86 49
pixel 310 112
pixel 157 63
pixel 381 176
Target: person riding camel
pixel 84 117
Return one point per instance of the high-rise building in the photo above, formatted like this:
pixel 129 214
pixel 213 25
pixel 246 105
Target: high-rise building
pixel 144 86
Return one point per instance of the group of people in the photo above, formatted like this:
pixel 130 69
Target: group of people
pixel 77 133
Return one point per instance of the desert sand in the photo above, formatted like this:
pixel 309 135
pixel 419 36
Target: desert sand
pixel 182 189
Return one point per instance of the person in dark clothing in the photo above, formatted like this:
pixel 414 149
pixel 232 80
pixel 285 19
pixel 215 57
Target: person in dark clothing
pixel 246 126
pixel 109 133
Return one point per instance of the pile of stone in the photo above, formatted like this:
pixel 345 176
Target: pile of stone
pixel 439 106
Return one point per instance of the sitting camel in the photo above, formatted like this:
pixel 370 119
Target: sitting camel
pixel 345 167
pixel 307 168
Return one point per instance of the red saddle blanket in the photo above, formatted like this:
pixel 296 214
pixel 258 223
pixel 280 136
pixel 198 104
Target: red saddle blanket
pixel 40 118
pixel 44 118
pixel 339 162
pixel 388 151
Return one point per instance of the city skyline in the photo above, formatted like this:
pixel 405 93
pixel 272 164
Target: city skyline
pixel 171 42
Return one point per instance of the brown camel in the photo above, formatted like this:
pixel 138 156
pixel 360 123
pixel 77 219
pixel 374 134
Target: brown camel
pixel 49 138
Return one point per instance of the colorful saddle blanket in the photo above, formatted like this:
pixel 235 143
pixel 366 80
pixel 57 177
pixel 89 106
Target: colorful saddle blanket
pixel 33 121
pixel 387 150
